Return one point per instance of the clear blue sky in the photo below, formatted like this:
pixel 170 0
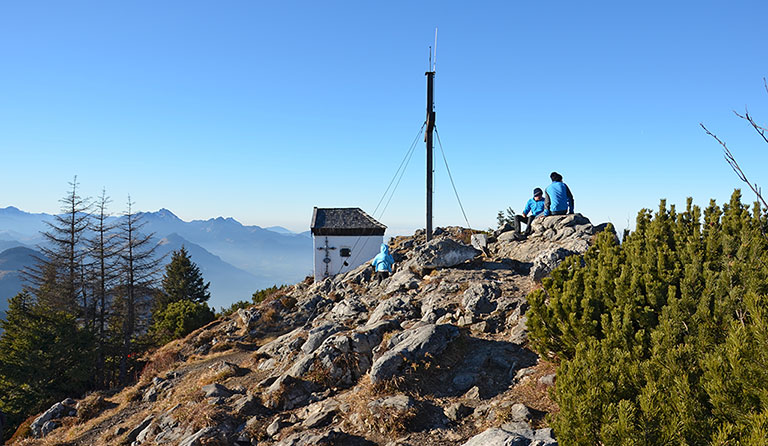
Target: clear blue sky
pixel 261 110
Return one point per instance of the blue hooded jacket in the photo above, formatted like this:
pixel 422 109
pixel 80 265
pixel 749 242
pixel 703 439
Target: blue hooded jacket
pixel 534 207
pixel 383 260
pixel 558 197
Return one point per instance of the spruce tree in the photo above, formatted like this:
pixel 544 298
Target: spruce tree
pixel 182 281
pixel 42 353
pixel 181 306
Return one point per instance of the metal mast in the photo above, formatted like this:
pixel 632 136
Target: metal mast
pixel 428 138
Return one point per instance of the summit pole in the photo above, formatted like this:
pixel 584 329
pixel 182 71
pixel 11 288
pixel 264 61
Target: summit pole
pixel 428 138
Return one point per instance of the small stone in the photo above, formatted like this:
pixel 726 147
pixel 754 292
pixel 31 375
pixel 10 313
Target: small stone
pixel 216 390
pixel 473 393
pixel 276 426
pixel 519 412
pixel 547 380
pixel 457 411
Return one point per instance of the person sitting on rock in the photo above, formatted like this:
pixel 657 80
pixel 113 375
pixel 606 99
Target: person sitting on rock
pixel 382 263
pixel 558 197
pixel 533 208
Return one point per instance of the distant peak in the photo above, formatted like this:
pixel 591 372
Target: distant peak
pixel 165 213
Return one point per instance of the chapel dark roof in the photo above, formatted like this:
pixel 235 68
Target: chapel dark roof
pixel 344 221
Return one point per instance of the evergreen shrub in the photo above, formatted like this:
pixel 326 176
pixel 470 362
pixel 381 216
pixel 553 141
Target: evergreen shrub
pixel 664 338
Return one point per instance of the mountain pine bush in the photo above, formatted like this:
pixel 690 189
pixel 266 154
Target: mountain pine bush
pixel 662 339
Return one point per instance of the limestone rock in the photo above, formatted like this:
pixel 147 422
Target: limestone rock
pixel 479 298
pixel 498 437
pixel 216 390
pixel 440 253
pixel 548 261
pixel 457 411
pixel 319 334
pixel 414 345
pixel 58 410
pixel 396 307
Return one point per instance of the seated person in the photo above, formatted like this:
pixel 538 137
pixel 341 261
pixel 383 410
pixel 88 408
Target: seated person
pixel 533 208
pixel 559 199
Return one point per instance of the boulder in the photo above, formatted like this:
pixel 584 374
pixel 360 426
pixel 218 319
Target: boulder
pixel 248 316
pixel 548 261
pixel 479 241
pixel 440 253
pixel 197 438
pixel 216 390
pixel 457 411
pixel 58 410
pixel 319 334
pixel 412 346
pixel 479 298
pixel 498 437
pixel 287 393
pixel 403 279
pixel 396 307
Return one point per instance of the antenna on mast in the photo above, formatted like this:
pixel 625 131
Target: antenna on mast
pixel 434 59
pixel 430 131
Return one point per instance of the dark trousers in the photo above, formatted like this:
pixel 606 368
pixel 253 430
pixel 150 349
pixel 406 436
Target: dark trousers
pixel 528 220
pixel 381 275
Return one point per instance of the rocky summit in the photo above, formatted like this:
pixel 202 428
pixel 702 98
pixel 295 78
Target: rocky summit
pixel 436 354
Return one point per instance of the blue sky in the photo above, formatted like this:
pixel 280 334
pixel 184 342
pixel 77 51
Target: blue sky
pixel 262 110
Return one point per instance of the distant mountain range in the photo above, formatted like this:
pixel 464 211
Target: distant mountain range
pixel 235 258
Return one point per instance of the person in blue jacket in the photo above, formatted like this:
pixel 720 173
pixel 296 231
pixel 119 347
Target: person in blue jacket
pixel 533 208
pixel 558 198
pixel 382 263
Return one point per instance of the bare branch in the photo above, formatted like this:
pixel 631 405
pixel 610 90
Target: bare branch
pixel 758 128
pixel 735 166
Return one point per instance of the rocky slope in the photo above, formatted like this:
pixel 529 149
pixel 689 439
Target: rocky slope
pixel 434 355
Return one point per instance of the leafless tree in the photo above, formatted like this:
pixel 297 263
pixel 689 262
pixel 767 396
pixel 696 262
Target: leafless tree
pixel 138 266
pixel 57 276
pixel 103 248
pixel 761 130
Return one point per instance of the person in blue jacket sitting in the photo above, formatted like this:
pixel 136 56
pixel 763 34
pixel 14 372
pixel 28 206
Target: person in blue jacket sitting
pixel 382 263
pixel 533 208
pixel 558 197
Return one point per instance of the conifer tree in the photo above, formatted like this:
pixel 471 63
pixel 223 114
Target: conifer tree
pixel 182 281
pixel 42 352
pixel 181 306
pixel 57 277
pixel 138 267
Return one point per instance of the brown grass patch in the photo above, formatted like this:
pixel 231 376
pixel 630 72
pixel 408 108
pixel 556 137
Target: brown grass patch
pixel 90 406
pixel 160 361
pixel 535 395
pixel 380 421
pixel 24 430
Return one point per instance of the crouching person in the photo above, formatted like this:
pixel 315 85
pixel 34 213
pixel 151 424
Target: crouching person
pixel 533 208
pixel 382 263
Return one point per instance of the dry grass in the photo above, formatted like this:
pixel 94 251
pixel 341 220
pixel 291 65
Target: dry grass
pixel 90 406
pixel 199 414
pixel 270 316
pixel 24 430
pixel 160 361
pixel 380 421
pixel 534 394
pixel 211 376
